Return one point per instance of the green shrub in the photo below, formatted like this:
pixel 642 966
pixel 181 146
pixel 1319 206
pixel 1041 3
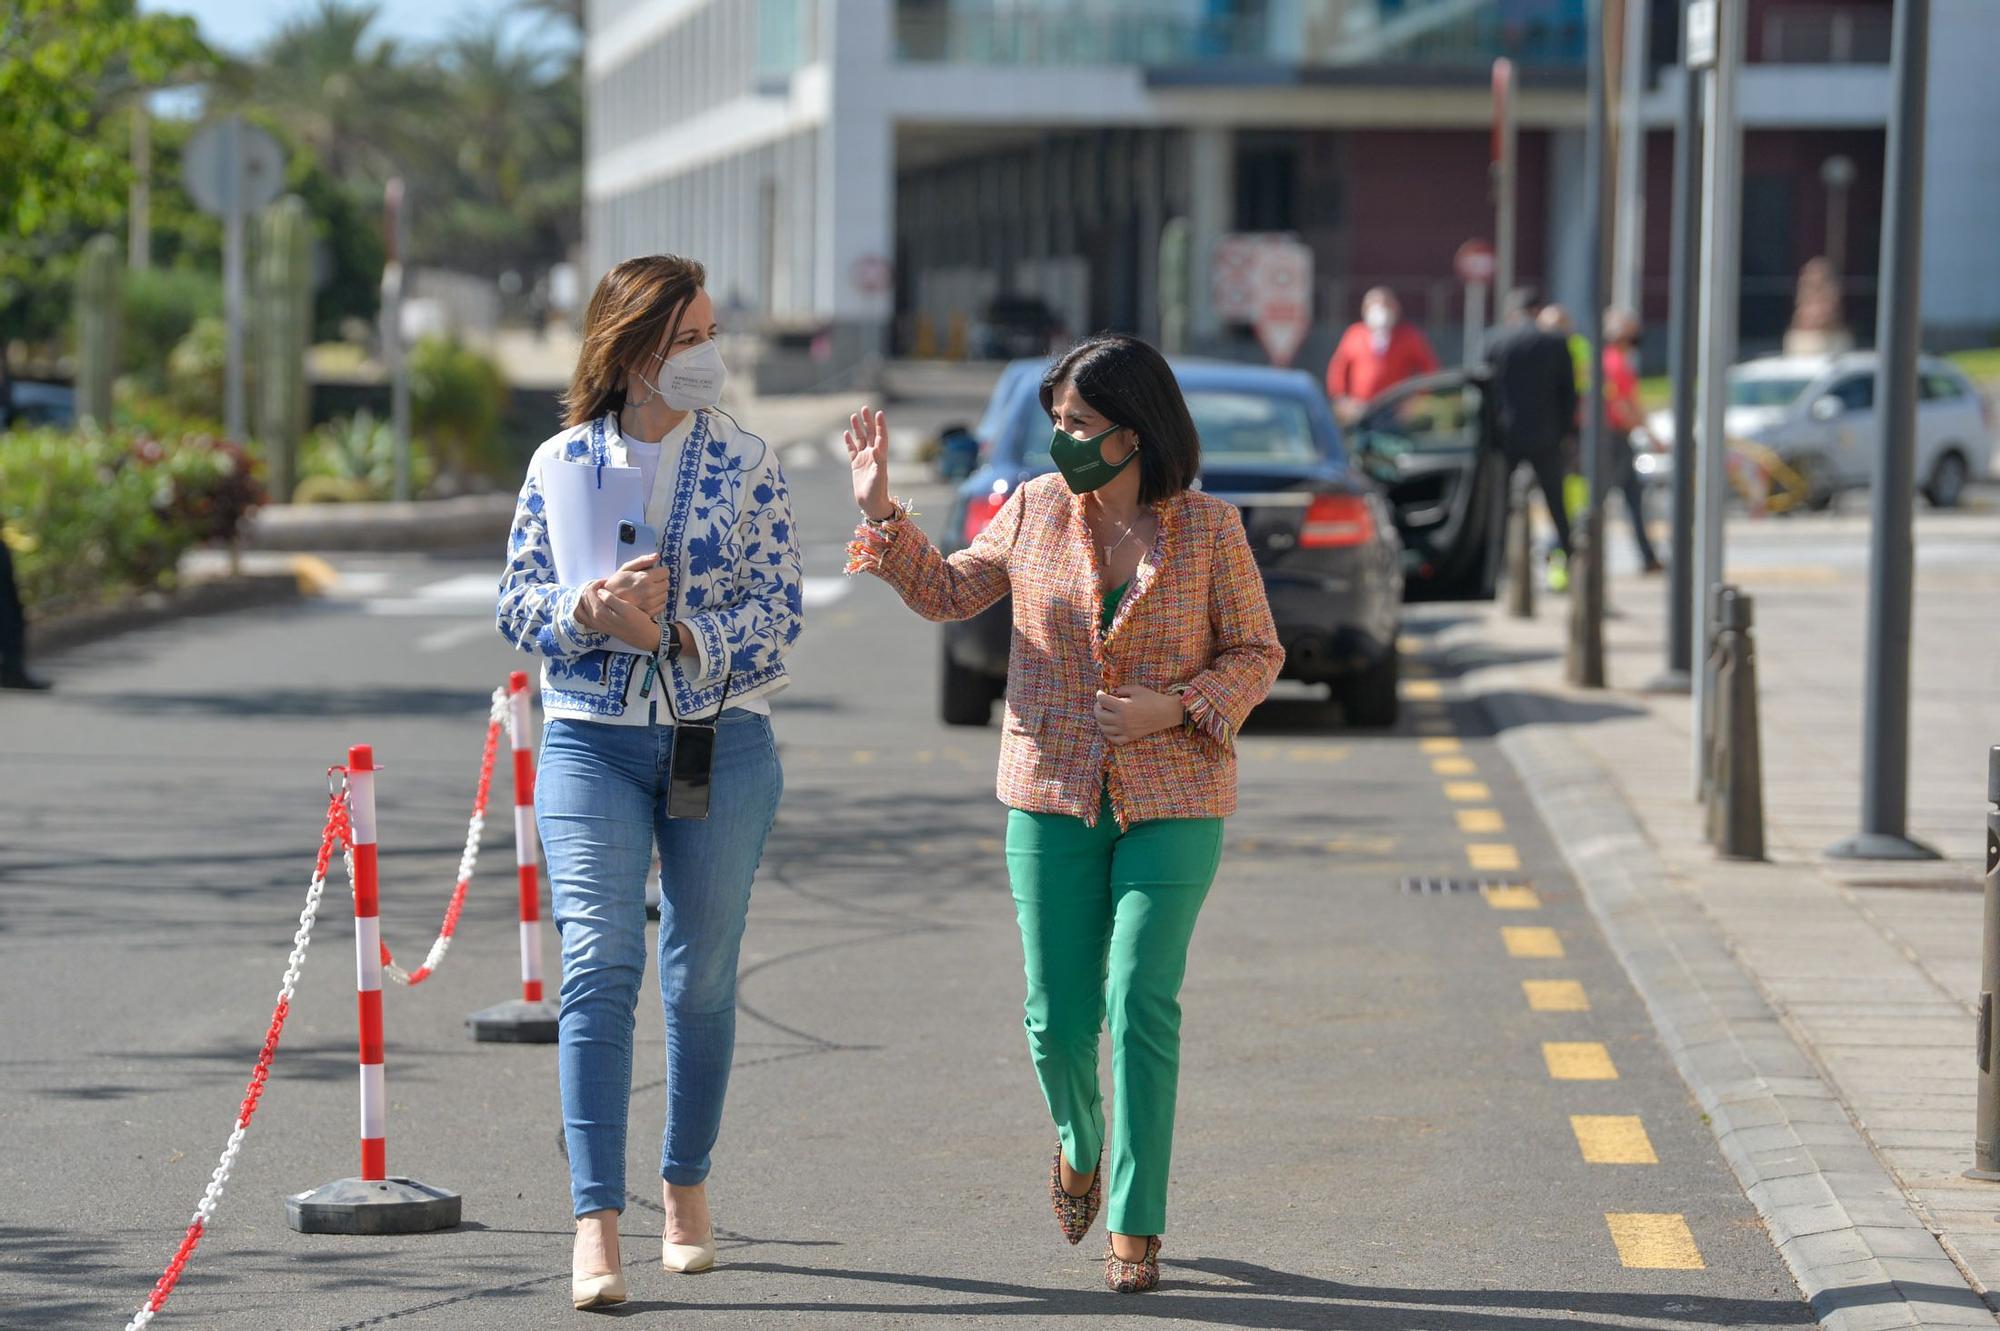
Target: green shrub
pixel 458 399
pixel 195 370
pixel 355 459
pixel 93 516
pixel 161 307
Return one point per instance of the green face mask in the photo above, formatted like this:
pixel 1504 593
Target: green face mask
pixel 1082 463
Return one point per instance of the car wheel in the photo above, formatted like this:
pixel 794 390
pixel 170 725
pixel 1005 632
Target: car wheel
pixel 1369 698
pixel 965 697
pixel 1947 483
pixel 1817 474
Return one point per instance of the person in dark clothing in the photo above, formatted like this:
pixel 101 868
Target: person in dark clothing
pixel 13 620
pixel 1534 397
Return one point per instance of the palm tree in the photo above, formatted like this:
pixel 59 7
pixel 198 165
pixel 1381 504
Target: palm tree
pixel 353 97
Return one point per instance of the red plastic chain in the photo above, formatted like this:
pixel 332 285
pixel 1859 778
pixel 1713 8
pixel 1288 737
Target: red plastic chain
pixel 338 833
pixel 457 903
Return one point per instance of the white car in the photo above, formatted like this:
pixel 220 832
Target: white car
pixel 1817 413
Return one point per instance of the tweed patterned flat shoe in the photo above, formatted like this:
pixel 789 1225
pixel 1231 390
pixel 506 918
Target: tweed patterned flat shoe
pixel 1123 1277
pixel 1075 1214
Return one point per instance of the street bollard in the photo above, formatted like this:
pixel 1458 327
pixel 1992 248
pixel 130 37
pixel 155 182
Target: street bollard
pixel 1520 549
pixel 1736 800
pixel 1986 1127
pixel 529 1019
pixel 1711 623
pixel 1583 658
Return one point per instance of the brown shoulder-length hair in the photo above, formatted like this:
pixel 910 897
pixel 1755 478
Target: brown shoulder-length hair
pixel 636 309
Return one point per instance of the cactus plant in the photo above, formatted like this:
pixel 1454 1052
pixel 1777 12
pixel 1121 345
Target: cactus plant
pixel 98 314
pixel 283 320
pixel 1175 274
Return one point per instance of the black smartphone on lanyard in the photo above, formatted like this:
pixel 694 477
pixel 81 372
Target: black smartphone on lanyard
pixel 691 763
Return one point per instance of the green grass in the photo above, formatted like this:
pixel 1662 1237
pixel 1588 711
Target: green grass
pixel 1983 367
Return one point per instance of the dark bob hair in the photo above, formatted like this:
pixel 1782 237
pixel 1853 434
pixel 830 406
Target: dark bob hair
pixel 1130 384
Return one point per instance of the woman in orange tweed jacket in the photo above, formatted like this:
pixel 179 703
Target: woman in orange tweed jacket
pixel 1142 639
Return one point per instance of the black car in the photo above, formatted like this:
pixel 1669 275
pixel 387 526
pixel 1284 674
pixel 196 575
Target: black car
pixel 1322 532
pixel 41 404
pixel 1429 443
pixel 1013 326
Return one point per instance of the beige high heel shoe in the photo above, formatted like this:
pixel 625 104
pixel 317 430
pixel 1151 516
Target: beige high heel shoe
pixel 688 1258
pixel 596 1291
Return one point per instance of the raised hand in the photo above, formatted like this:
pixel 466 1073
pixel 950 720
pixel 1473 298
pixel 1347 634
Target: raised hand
pixel 867 440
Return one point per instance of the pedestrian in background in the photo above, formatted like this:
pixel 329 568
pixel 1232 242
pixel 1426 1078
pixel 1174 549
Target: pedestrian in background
pixel 1375 354
pixel 1142 639
pixel 680 646
pixel 13 628
pixel 1534 396
pixel 1622 415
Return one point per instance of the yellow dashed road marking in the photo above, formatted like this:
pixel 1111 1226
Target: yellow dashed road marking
pixel 1532 941
pixel 1454 766
pixel 1555 996
pixel 1325 753
pixel 1493 857
pixel 1474 822
pixel 1408 646
pixel 1613 1139
pixel 1654 1242
pixel 1360 845
pixel 1580 1060
pixel 863 757
pixel 1439 746
pixel 314 575
pixel 1512 898
pixel 1423 690
pixel 1467 792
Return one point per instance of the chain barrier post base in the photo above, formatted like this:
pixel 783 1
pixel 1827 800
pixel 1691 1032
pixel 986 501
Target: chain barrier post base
pixel 515 1022
pixel 530 1019
pixel 373 1206
pixel 1986 1126
pixel 373 1203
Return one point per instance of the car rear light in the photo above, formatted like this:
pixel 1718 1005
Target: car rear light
pixel 980 510
pixel 1337 520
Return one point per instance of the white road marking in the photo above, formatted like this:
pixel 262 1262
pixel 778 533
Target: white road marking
pixel 822 592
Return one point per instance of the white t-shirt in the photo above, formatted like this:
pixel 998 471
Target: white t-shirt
pixel 658 463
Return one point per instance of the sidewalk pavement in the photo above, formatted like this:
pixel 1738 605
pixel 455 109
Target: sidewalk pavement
pixel 1822 1012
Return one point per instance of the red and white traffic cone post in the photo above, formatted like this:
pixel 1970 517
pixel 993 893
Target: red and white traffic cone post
pixel 531 1019
pixel 373 1203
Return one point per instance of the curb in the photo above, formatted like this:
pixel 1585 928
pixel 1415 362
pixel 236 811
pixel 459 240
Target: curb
pixel 1862 1256
pixel 210 596
pixel 417 524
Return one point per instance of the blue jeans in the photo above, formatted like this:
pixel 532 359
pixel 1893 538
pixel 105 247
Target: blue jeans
pixel 600 804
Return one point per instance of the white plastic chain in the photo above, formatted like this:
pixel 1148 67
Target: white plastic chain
pixel 211 1196
pixel 468 859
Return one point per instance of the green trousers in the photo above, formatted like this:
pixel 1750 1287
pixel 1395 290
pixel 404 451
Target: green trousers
pixel 1105 921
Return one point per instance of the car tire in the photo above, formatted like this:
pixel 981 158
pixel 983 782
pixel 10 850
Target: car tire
pixel 1817 473
pixel 1370 698
pixel 1947 483
pixel 965 697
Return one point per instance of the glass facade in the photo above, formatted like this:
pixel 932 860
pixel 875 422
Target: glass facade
pixel 1334 33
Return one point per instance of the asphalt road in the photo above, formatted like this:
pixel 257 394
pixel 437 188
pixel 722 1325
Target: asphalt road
pixel 1373 1132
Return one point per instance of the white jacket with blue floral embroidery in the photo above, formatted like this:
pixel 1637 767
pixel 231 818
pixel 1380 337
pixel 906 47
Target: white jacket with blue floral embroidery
pixel 735 580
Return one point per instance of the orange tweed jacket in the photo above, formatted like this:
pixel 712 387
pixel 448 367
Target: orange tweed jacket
pixel 1194 615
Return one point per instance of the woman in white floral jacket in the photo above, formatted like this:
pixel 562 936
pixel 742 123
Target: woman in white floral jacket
pixel 627 660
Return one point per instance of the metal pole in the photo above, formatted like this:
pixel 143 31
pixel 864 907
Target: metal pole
pixel 1506 153
pixel 1628 277
pixel 232 280
pixel 139 236
pixel 1986 1125
pixel 1587 656
pixel 1475 322
pixel 392 333
pixel 1721 201
pixel 1682 350
pixel 1885 736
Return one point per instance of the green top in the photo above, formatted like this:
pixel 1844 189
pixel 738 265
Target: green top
pixel 1111 600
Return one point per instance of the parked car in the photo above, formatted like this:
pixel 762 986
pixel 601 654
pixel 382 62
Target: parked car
pixel 1818 415
pixel 1322 533
pixel 1012 326
pixel 41 404
pixel 1429 443
pixel 961 450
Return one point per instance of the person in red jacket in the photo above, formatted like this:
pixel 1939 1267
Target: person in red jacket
pixel 1375 354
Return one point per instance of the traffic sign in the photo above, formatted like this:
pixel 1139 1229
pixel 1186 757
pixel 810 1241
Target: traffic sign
pixel 1701 34
pixel 1475 262
pixel 231 157
pixel 1265 280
